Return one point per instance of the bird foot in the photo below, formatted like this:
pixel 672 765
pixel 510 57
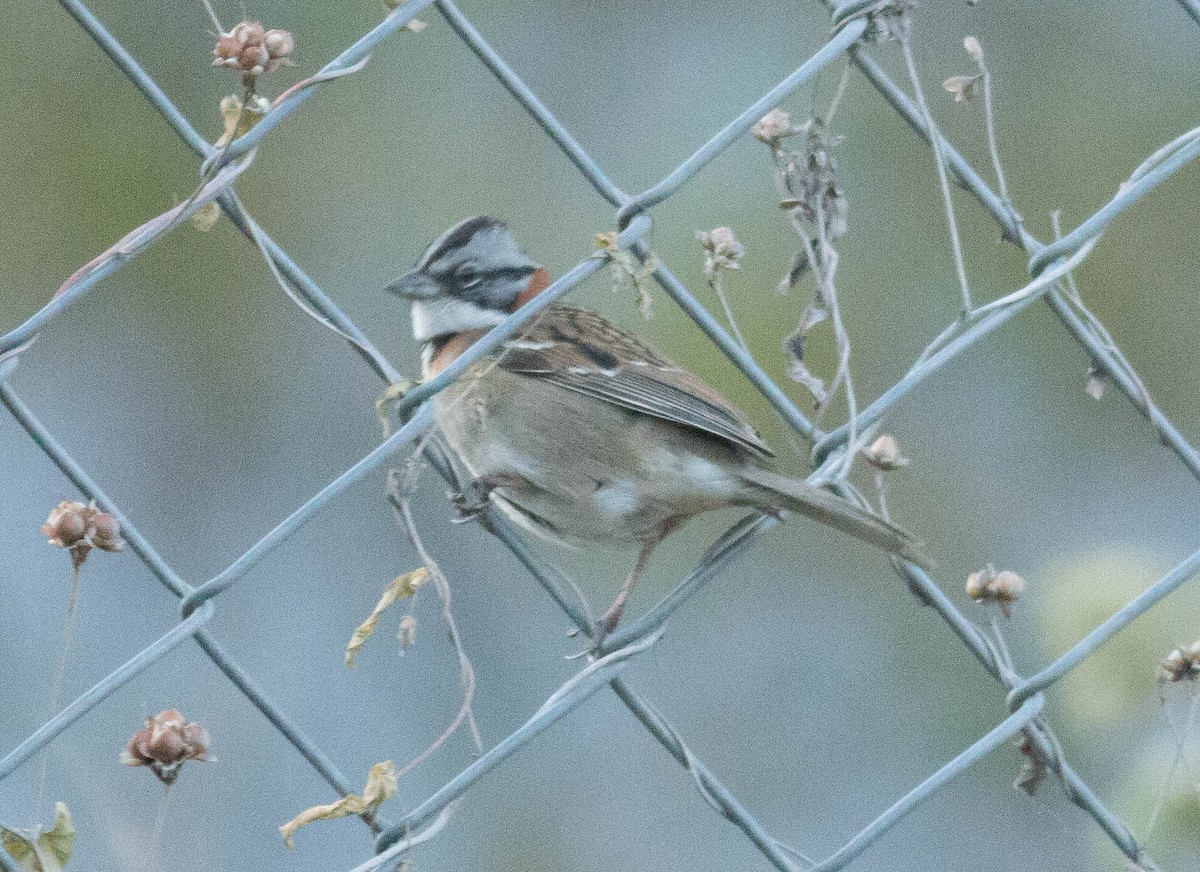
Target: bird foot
pixel 472 501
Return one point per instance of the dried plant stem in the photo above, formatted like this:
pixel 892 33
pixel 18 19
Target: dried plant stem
pixel 1071 293
pixel 400 487
pixel 838 94
pixel 716 284
pixel 56 688
pixel 1180 758
pixel 260 242
pixel 212 15
pixel 155 848
pixel 990 123
pixel 881 492
pixel 824 270
pixel 935 137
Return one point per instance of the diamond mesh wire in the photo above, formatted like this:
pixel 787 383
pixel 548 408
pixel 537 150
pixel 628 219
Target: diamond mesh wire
pixel 1048 262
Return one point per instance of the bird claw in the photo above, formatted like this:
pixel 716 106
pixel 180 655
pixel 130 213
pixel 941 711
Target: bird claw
pixel 470 503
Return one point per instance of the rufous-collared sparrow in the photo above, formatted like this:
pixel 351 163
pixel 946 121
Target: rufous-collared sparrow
pixel 578 429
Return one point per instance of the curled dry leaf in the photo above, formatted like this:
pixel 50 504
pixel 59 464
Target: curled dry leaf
pixel 624 268
pixel 38 850
pixel 1097 381
pixel 381 784
pixel 884 453
pixel 793 347
pixel 774 126
pixel 239 117
pixel 962 87
pixel 414 26
pixel 207 217
pixel 401 587
pixel 1034 770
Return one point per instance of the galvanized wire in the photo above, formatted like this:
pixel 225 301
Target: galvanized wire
pixel 1048 262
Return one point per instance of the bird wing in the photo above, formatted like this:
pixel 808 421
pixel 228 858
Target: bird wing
pixel 582 351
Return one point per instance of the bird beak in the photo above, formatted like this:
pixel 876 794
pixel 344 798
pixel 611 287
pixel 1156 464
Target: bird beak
pixel 415 285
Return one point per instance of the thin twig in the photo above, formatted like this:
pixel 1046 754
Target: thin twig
pixel 940 159
pixel 990 124
pixel 399 489
pixel 715 284
pixel 56 688
pixel 212 14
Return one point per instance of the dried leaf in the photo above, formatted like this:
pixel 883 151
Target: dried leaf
pixel 401 587
pixel 38 851
pixel 1097 381
pixel 239 117
pixel 413 26
pixel 816 386
pixel 814 314
pixel 962 87
pixel 207 217
pixel 800 266
pixel 1034 769
pixel 407 632
pixel 381 784
pixel 793 346
pixel 625 267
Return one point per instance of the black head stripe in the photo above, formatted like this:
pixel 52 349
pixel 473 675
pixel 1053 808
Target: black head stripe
pixel 481 293
pixel 459 237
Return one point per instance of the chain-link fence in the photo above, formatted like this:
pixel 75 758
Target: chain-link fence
pixel 857 27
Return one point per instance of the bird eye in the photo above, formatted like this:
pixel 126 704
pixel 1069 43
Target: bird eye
pixel 466 276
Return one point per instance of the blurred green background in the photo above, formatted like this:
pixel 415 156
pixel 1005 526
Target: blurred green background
pixel 807 677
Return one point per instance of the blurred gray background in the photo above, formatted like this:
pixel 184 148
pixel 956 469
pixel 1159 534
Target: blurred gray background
pixel 807 677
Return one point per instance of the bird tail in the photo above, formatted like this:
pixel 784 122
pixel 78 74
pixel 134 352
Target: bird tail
pixel 771 490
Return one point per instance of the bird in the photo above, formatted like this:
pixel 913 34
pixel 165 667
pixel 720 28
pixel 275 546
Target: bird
pixel 580 431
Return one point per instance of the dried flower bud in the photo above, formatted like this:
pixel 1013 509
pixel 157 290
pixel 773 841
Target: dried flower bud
pixel 79 528
pixel 66 524
pixel 105 532
pixel 772 127
pixel 1181 664
pixel 973 48
pixel 253 56
pixel 1007 586
pixel 722 250
pixel 279 43
pixel 988 586
pixel 167 742
pixel 884 453
pixel 227 48
pixel 253 51
pixel 248 32
pixel 977 585
pixel 1097 381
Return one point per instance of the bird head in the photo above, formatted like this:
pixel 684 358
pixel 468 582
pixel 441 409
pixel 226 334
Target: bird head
pixel 470 277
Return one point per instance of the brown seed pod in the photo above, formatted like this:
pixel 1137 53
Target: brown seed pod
pixel 165 744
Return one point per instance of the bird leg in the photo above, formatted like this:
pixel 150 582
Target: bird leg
pixel 612 617
pixel 472 500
